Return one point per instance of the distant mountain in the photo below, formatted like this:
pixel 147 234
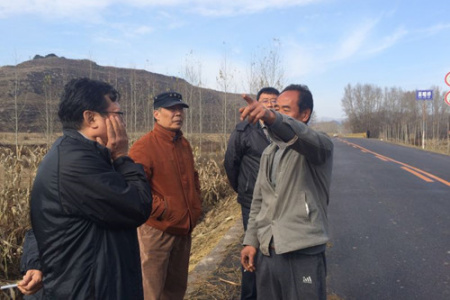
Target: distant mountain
pixel 30 91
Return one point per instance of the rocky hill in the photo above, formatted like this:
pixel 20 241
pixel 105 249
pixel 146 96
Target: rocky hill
pixel 30 91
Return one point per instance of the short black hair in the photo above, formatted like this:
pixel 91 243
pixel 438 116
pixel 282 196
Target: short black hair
pixel 267 90
pixel 82 94
pixel 305 98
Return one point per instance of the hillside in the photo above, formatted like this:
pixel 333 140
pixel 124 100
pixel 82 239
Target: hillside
pixel 29 92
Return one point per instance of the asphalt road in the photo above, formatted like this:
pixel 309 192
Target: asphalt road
pixel 389 217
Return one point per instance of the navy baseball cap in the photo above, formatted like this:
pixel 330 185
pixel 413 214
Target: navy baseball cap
pixel 169 99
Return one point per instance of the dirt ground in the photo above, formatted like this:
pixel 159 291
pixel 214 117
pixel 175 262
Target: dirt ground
pixel 216 245
pixel 224 282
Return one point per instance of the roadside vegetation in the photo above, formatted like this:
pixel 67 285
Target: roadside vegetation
pixel 394 114
pixel 18 167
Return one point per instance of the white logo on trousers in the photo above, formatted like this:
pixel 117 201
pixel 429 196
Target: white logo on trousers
pixel 307 280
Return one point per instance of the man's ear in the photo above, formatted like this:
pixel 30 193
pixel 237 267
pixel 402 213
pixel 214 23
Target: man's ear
pixel 304 115
pixel 156 114
pixel 90 119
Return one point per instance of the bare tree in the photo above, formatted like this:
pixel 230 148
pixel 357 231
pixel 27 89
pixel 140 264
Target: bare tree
pixel 266 68
pixel 396 114
pixel 48 112
pixel 200 105
pixel 191 76
pixel 225 82
pixel 19 106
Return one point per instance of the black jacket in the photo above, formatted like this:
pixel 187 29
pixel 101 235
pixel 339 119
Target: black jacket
pixel 246 144
pixel 84 214
pixel 30 257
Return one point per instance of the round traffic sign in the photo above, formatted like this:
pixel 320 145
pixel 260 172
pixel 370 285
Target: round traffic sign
pixel 447 79
pixel 447 98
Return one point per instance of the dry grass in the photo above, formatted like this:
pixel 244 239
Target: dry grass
pixel 17 173
pixel 17 170
pixel 212 228
pixel 225 282
pixel 25 139
pixel 213 182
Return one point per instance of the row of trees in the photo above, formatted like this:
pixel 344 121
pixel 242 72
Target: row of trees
pixel 36 93
pixel 390 113
pixel 393 113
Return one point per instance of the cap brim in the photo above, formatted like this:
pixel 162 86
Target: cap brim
pixel 173 103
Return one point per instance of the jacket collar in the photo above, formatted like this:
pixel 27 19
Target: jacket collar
pixel 167 134
pixel 76 135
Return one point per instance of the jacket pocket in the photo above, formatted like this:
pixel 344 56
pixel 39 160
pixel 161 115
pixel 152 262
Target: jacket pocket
pixel 304 208
pixel 172 213
pixel 164 212
pixel 159 206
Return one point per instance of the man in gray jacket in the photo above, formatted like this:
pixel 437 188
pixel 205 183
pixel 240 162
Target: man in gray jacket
pixel 287 231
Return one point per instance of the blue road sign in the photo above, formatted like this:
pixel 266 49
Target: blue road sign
pixel 424 95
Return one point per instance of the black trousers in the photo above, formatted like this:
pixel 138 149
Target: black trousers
pixel 292 275
pixel 248 282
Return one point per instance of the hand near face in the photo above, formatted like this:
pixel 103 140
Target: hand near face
pixel 31 282
pixel 117 137
pixel 255 111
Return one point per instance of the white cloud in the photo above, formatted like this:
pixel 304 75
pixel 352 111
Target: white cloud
pixel 306 59
pixel 435 29
pixel 354 41
pixel 245 7
pixel 107 40
pixel 74 9
pixel 52 8
pixel 131 30
pixel 143 30
pixel 302 59
pixel 389 41
pixel 169 21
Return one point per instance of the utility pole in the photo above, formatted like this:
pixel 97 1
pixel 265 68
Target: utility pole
pixel 447 101
pixel 423 124
pixel 424 95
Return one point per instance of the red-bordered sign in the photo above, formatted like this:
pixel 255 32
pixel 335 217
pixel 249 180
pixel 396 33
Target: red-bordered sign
pixel 447 98
pixel 447 79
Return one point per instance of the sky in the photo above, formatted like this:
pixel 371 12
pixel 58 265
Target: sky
pixel 325 44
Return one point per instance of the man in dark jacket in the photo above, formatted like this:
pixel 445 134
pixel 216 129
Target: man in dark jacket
pixel 246 144
pixel 88 198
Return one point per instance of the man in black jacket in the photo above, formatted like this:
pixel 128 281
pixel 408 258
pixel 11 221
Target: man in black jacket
pixel 246 144
pixel 87 200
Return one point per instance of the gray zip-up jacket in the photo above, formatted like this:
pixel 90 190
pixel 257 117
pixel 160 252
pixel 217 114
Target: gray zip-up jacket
pixel 294 210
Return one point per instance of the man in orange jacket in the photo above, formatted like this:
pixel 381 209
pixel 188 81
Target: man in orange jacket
pixel 165 239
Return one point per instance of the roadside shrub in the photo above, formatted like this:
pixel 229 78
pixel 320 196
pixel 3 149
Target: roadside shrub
pixel 213 181
pixel 17 171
